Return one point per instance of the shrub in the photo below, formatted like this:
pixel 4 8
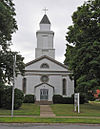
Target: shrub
pixel 67 100
pixel 57 99
pixel 29 98
pixel 7 98
pixel 19 98
pixel 82 98
pixel 1 93
pixel 90 96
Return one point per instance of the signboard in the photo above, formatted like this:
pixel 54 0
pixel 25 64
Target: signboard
pixel 76 102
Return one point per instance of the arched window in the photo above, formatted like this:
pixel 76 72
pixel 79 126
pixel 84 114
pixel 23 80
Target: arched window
pixel 64 86
pixel 24 85
pixel 44 65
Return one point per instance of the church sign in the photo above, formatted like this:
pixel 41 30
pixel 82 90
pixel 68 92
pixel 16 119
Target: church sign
pixel 76 102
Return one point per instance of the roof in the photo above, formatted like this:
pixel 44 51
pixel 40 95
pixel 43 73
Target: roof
pixel 49 58
pixel 45 20
pixel 44 83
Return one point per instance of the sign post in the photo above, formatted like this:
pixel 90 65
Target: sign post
pixel 14 67
pixel 77 102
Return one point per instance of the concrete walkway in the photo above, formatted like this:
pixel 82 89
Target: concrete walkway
pixel 46 111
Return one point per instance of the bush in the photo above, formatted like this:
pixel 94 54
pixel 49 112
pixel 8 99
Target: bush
pixel 82 98
pixel 29 98
pixel 19 98
pixel 90 96
pixel 57 99
pixel 1 93
pixel 67 100
pixel 7 98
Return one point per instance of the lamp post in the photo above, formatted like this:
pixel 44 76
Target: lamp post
pixel 14 68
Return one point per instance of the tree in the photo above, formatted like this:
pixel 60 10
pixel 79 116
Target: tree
pixel 7 27
pixel 83 47
pixel 7 22
pixel 6 66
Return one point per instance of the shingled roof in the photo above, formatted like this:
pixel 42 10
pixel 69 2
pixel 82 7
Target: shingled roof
pixel 45 20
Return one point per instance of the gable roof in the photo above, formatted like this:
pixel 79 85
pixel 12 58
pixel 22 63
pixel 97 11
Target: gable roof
pixel 44 83
pixel 49 58
pixel 45 20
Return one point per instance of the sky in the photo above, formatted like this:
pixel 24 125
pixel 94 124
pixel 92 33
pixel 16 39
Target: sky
pixel 28 16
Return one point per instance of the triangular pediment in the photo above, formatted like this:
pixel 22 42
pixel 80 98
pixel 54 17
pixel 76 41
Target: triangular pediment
pixel 54 65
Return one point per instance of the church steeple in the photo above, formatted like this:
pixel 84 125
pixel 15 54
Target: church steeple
pixel 45 23
pixel 45 39
pixel 45 20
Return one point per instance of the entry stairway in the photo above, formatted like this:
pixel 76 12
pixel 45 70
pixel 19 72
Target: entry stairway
pixel 44 102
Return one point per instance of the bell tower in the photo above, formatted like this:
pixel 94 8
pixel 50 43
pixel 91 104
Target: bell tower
pixel 45 39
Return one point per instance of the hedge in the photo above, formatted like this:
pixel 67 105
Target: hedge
pixel 58 99
pixel 1 93
pixel 7 98
pixel 29 98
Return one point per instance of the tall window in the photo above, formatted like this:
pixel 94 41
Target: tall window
pixel 64 86
pixel 24 85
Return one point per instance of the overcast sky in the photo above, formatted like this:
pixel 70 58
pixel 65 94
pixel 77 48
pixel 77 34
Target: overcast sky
pixel 28 15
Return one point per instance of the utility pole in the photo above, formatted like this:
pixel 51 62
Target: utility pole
pixel 14 68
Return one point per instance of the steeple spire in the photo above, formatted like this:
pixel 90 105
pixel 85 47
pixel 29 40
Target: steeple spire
pixel 45 20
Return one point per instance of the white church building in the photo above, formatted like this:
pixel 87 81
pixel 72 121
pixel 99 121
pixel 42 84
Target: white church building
pixel 45 76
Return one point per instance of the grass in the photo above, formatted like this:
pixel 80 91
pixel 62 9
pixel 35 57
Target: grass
pixel 90 109
pixel 25 109
pixel 48 120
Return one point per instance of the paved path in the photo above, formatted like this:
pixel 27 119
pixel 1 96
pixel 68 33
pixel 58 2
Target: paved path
pixel 46 111
pixel 55 126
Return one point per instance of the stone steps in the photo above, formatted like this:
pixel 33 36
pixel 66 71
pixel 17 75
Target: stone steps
pixel 44 102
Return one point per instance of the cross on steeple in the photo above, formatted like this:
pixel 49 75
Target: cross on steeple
pixel 45 10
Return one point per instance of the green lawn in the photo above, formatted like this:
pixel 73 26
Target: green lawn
pixel 25 109
pixel 48 120
pixel 90 109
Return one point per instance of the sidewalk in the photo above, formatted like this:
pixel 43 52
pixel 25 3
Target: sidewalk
pixel 46 111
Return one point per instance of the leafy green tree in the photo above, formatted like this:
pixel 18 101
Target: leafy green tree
pixel 7 22
pixel 6 66
pixel 83 47
pixel 7 27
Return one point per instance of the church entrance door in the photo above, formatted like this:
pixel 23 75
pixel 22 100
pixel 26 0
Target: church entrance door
pixel 43 94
